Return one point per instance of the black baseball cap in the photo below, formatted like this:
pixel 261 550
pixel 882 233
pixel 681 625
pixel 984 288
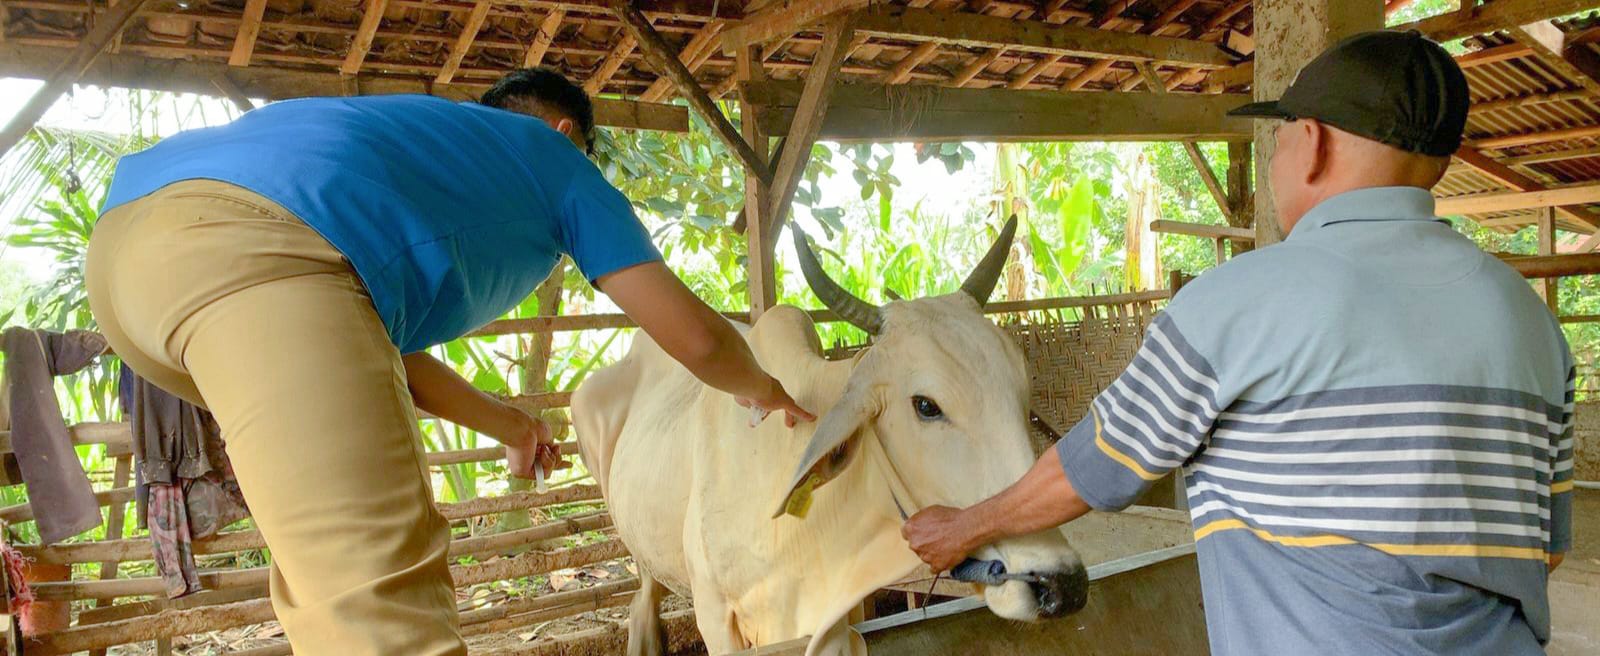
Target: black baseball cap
pixel 1397 88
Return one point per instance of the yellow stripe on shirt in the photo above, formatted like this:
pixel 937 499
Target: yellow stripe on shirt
pixel 1457 550
pixel 1563 486
pixel 1112 453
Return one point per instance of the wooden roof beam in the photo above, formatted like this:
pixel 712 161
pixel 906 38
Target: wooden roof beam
pixel 781 19
pixel 668 64
pixel 187 76
pixel 244 40
pixel 1520 200
pixel 362 43
pixel 873 112
pixel 469 33
pixel 979 30
pixel 1553 47
pixel 549 27
pixel 1493 16
pixel 1507 176
pixel 612 63
pixel 64 73
pixel 695 54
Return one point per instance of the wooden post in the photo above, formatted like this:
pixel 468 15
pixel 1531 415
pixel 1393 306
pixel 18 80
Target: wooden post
pixel 1288 34
pixel 1241 194
pixel 762 287
pixel 106 29
pixel 1549 288
pixel 535 370
pixel 116 516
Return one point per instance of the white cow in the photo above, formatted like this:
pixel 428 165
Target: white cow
pixel 934 412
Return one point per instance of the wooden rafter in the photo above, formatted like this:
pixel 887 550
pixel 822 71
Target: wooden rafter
pixel 244 41
pixel 1099 68
pixel 978 65
pixel 1507 176
pixel 695 54
pixel 1537 137
pixel 1493 55
pixel 66 72
pixel 1493 16
pixel 866 112
pixel 668 64
pixel 1553 156
pixel 978 30
pixel 184 76
pixel 1552 46
pixel 1520 200
pixel 902 69
pixel 611 64
pixel 781 19
pixel 1050 14
pixel 370 19
pixel 545 35
pixel 469 33
pixel 815 99
pixel 1528 100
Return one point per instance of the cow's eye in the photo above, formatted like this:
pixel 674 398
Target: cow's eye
pixel 926 408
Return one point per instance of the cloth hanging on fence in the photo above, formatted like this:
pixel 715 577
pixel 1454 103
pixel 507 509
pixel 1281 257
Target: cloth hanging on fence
pixel 187 491
pixel 59 491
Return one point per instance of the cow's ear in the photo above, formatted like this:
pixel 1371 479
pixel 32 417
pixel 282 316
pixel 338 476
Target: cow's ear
pixel 834 445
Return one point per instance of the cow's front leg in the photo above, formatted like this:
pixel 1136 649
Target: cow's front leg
pixel 714 617
pixel 644 618
pixel 841 639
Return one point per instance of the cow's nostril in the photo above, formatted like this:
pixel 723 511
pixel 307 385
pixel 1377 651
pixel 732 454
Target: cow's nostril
pixel 1061 593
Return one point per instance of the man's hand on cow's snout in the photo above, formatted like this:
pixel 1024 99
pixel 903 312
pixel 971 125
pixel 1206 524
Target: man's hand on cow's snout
pixel 776 399
pixel 941 536
pixel 533 444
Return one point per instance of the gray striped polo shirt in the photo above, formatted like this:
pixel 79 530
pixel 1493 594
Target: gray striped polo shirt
pixel 1373 420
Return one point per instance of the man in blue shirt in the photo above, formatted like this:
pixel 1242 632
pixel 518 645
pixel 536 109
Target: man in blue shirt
pixel 1373 419
pixel 288 271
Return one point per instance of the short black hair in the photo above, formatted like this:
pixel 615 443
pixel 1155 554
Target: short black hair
pixel 546 86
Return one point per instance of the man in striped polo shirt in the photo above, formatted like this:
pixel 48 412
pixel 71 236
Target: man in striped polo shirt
pixel 1373 419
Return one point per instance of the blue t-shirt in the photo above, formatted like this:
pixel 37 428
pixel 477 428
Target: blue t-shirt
pixel 450 212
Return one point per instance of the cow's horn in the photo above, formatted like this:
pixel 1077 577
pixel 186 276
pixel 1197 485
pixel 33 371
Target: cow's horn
pixel 859 313
pixel 980 283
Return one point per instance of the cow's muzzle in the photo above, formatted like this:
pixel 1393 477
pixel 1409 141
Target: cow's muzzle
pixel 1056 593
pixel 1061 593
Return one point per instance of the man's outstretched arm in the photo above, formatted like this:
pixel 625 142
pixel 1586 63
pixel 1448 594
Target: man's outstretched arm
pixel 696 336
pixel 1042 499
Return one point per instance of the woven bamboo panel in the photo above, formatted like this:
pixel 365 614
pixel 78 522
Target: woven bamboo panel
pixel 1071 362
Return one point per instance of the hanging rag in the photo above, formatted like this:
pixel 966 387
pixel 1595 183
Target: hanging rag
pixel 187 491
pixel 63 500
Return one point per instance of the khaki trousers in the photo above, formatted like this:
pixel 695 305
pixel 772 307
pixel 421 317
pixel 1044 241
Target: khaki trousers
pixel 224 298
